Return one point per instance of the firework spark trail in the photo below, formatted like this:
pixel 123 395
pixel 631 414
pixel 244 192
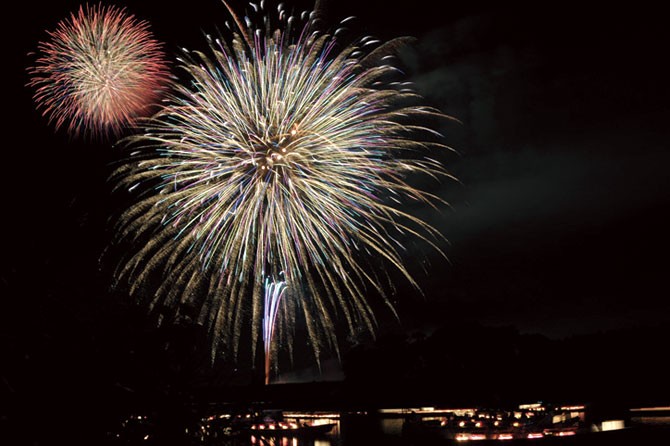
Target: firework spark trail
pixel 280 153
pixel 100 71
pixel 274 292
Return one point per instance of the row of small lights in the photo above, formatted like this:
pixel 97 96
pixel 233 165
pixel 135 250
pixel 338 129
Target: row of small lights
pixel 532 435
pixel 272 426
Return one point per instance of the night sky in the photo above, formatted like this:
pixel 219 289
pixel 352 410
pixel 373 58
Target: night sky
pixel 558 226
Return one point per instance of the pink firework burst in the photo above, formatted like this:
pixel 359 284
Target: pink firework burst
pixel 100 71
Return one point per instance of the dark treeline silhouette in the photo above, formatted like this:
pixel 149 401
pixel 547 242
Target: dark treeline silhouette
pixel 73 366
pixel 473 364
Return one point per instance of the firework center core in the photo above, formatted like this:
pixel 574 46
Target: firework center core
pixel 272 152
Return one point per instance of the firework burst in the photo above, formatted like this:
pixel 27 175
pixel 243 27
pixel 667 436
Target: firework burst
pixel 99 72
pixel 284 152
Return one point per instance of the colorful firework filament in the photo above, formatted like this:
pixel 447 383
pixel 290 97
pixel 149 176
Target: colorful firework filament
pixel 281 153
pixel 100 71
pixel 274 291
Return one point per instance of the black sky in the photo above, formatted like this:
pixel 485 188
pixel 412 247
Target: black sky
pixel 559 225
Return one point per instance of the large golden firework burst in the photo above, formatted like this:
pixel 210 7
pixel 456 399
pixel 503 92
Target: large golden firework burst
pixel 283 152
